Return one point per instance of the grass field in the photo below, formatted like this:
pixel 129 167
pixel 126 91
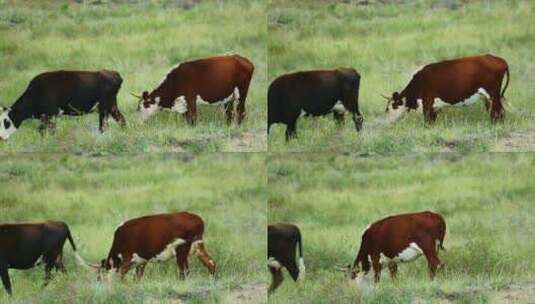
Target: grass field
pixel 142 41
pixel 386 43
pixel 95 194
pixel 486 199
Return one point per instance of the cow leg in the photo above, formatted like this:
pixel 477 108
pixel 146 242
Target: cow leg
pixel 229 111
pixel 59 263
pixel 48 272
pixel 5 278
pixel 240 108
pixel 292 268
pixel 116 114
pixel 102 117
pixel 290 130
pixel 191 114
pixel 276 279
pixel 204 257
pixel 339 117
pixel 429 113
pixel 139 271
pixel 393 268
pixel 496 110
pixel 430 253
pixel 376 267
pixel 46 124
pixel 182 253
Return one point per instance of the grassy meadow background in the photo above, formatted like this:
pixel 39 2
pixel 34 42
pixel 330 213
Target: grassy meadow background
pixel 386 43
pixel 95 194
pixel 486 199
pixel 142 40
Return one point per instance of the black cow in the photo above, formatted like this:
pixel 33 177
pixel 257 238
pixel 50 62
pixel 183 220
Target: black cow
pixel 283 239
pixel 65 92
pixel 25 245
pixel 316 93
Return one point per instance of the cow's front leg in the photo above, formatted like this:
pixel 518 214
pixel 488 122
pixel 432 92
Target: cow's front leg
pixel 376 264
pixel 429 112
pixel 182 253
pixel 276 279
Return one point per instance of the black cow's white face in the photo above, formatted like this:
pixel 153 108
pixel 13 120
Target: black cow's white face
pixel 395 107
pixel 147 106
pixel 6 126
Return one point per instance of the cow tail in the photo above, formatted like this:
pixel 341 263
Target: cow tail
pixel 79 259
pixel 442 235
pixel 302 268
pixel 506 82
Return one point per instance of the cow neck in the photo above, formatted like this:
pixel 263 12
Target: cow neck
pixel 410 100
pixel 19 112
pixel 165 100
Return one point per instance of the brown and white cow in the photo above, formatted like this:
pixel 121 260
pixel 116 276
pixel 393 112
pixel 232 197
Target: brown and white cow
pixel 458 82
pixel 283 241
pixel 399 239
pixel 214 80
pixel 157 238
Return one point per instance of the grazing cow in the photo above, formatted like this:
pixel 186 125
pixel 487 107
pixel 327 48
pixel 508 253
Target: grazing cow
pixel 398 239
pixel 25 245
pixel 157 238
pixel 214 80
pixel 458 82
pixel 65 92
pixel 315 93
pixel 283 240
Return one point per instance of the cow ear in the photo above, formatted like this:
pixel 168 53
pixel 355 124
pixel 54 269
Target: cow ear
pixel 395 96
pixel 145 95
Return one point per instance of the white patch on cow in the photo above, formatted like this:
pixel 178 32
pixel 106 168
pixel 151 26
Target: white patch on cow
pixel 180 105
pixel 366 229
pixel 169 250
pixel 235 95
pixel 419 105
pixel 136 259
pixel 5 133
pixel 273 263
pixel 393 115
pixel 194 247
pixel 480 95
pixel 39 261
pixel 302 270
pixel 339 107
pixel 148 112
pixel 119 226
pixel 408 254
pixel 120 256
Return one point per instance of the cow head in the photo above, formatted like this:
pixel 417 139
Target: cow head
pixel 356 275
pixel 198 249
pixel 106 269
pixel 147 105
pixel 395 107
pixel 7 126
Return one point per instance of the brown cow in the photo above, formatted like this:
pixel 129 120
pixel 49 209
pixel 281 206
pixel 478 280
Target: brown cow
pixel 157 238
pixel 214 80
pixel 397 239
pixel 458 82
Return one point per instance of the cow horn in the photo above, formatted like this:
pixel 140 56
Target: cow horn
pixel 136 96
pixel 384 96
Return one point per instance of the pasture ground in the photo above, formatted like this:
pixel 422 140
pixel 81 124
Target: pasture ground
pixel 142 40
pixel 486 199
pixel 386 43
pixel 95 194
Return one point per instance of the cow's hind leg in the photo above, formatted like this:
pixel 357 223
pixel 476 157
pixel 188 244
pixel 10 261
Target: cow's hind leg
pixel 229 111
pixel 430 252
pixel 182 253
pixel 59 263
pixel 5 278
pixel 377 268
pixel 116 114
pixel 103 113
pixel 240 108
pixel 276 279
pixel 393 268
pixel 496 109
pixel 290 130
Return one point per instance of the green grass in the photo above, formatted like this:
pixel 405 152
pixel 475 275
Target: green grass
pixel 95 194
pixel 386 43
pixel 486 199
pixel 142 42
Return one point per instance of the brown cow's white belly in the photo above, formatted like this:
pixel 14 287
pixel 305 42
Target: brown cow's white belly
pixel 480 95
pixel 409 254
pixel 180 104
pixel 167 253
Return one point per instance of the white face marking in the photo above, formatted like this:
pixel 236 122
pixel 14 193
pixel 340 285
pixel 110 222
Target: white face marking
pixel 302 270
pixel 362 280
pixel 235 95
pixel 274 263
pixel 180 105
pixel 5 121
pixel 480 95
pixel 148 112
pixel 194 247
pixel 393 115
pixel 408 254
pixel 169 251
